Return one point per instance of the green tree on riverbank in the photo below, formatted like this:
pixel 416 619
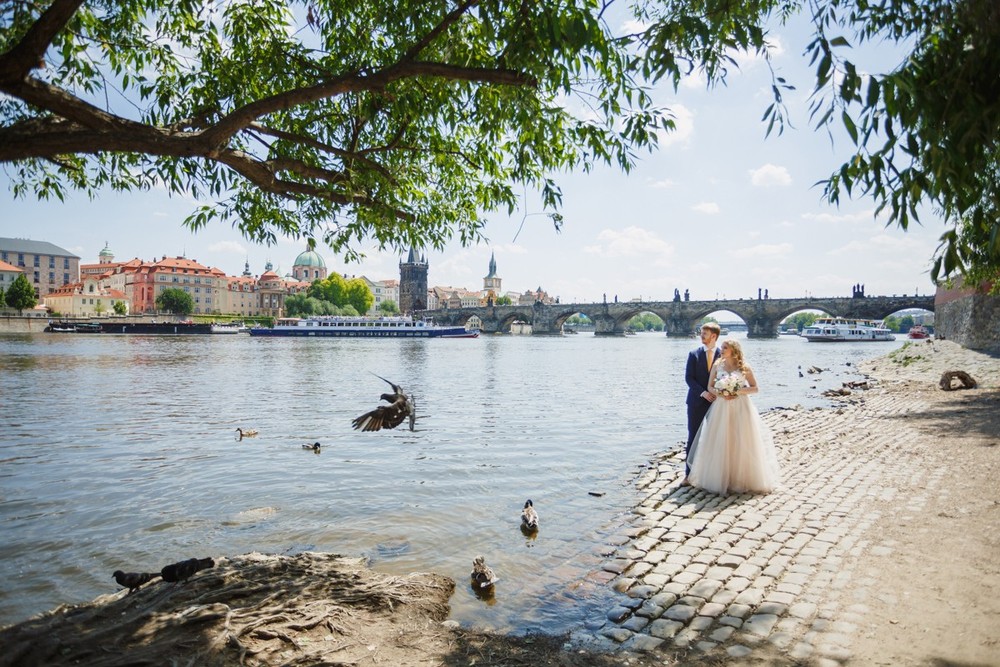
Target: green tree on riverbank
pixel 21 295
pixel 176 301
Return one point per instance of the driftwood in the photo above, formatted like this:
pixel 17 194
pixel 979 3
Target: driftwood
pixel 948 380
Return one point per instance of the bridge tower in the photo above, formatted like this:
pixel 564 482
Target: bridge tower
pixel 413 283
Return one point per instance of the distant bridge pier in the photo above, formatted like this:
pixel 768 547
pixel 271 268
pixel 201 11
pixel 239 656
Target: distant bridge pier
pixel 762 326
pixel 606 325
pixel 678 326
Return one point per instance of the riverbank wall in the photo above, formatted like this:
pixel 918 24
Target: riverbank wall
pixel 969 317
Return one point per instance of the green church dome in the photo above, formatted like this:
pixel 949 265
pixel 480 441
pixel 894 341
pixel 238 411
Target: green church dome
pixel 310 258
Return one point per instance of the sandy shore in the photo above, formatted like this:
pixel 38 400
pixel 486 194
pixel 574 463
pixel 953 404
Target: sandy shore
pixel 881 548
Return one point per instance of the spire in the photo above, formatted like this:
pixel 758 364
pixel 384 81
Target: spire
pixel 493 266
pixel 412 257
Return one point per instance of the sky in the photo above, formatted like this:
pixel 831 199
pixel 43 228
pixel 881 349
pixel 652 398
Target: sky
pixel 719 210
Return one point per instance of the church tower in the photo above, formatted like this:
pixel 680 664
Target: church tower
pixel 413 283
pixel 491 283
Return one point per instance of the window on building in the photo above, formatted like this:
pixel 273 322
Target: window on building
pixel 52 262
pixel 65 278
pixel 38 261
pixel 52 276
pixel 36 276
pixel 66 263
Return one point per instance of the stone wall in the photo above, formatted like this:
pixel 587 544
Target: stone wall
pixel 969 317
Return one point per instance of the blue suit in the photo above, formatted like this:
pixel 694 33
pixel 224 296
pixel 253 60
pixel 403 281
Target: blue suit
pixel 696 375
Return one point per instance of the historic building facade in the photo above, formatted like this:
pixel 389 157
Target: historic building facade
pixel 47 266
pixel 413 283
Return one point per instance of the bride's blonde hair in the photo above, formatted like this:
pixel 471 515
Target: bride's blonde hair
pixel 741 364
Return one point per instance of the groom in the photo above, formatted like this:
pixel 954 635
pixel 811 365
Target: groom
pixel 699 398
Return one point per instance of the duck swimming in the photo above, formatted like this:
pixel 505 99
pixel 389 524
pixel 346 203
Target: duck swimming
pixel 529 517
pixel 482 576
pixel 247 432
pixel 314 447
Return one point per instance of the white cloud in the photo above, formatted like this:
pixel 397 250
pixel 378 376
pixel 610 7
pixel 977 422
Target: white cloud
pixel 662 184
pixel 770 174
pixel 861 216
pixel 630 242
pixel 228 247
pixel 683 126
pixel 764 250
pixel 706 207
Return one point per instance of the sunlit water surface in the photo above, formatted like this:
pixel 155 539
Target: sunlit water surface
pixel 119 452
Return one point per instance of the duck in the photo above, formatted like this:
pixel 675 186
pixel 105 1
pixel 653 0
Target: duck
pixel 529 517
pixel 247 432
pixel 482 576
pixel 313 447
pixel 399 409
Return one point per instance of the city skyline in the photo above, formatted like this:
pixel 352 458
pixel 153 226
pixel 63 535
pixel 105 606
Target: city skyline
pixel 719 210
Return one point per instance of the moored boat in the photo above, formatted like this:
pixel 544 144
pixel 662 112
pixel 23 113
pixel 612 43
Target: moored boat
pixel 918 332
pixel 229 328
pixel 841 330
pixel 337 326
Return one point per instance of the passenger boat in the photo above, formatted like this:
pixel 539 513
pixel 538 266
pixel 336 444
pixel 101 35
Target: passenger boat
pixel 918 332
pixel 229 328
pixel 843 330
pixel 338 326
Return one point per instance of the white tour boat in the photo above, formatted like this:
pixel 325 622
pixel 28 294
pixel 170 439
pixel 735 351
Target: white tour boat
pixel 841 330
pixel 337 326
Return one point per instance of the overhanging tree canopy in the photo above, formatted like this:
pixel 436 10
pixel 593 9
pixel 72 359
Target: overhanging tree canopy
pixel 399 121
pixel 403 121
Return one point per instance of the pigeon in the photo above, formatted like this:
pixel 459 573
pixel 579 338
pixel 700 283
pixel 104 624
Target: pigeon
pixel 482 575
pixel 529 517
pixel 315 447
pixel 183 570
pixel 133 580
pixel 247 432
pixel 399 409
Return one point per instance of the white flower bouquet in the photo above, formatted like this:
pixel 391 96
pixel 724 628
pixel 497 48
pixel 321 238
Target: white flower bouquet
pixel 729 384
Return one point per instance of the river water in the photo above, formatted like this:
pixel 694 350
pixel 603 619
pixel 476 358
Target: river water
pixel 119 452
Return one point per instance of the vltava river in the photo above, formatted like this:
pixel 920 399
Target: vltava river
pixel 119 452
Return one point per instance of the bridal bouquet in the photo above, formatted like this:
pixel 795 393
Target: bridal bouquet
pixel 729 384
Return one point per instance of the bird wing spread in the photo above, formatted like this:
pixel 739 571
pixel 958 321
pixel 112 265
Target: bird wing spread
pixel 384 416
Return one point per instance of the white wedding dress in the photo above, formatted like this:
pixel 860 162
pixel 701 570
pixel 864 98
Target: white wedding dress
pixel 733 451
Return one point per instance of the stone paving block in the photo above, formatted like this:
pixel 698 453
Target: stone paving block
pixel 623 584
pixel 686 577
pixel 677 589
pixel 642 643
pixel 791 589
pixel 760 624
pixel 617 634
pixel 739 610
pixel 802 610
pixel 722 634
pixel 680 559
pixel 747 571
pixel 751 596
pixel 655 556
pixel 639 569
pixel 737 584
pixel 665 629
pixel 780 639
pixel 775 608
pixel 619 614
pixel 773 571
pixel 617 566
pixel 691 601
pixel 644 591
pixel 701 623
pixel 725 597
pixel 663 599
pixel 657 580
pixel 635 623
pixel 705 558
pixel 712 609
pixel 738 651
pixel 730 560
pixel 668 569
pixel 705 646
pixel 680 612
pixel 799 578
pixel 705 588
pixel 800 651
pixel 718 573
pixel 731 621
pixel 783 598
pixel 650 610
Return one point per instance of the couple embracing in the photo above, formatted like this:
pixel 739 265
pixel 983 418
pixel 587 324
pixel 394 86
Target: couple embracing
pixel 729 449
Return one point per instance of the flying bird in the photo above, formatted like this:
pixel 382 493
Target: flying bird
pixel 133 580
pixel 529 517
pixel 482 575
pixel 185 569
pixel 315 447
pixel 247 432
pixel 400 408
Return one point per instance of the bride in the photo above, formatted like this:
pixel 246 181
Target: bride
pixel 733 451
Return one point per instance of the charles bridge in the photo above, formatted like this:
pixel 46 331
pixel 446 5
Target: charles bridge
pixel 681 318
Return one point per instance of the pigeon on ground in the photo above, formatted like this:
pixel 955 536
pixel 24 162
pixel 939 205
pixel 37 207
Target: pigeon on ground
pixel 399 409
pixel 529 517
pixel 133 580
pixel 183 570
